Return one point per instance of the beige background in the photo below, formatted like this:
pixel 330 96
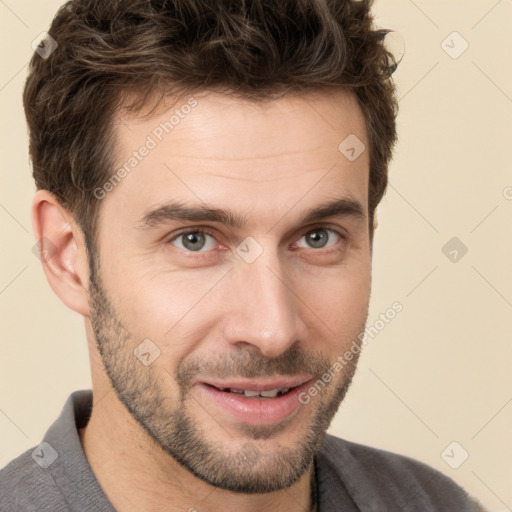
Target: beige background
pixel 441 370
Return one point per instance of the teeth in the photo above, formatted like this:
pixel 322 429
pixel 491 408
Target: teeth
pixel 271 393
pixel 251 393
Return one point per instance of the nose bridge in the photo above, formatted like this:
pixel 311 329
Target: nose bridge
pixel 263 309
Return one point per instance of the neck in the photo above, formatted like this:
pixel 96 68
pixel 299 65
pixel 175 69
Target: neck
pixel 137 474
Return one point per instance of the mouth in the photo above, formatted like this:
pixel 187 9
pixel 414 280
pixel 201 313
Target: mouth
pixel 255 402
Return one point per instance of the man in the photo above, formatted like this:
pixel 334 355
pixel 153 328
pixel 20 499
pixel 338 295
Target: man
pixel 208 174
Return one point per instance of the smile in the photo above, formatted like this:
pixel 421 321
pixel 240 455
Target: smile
pixel 256 402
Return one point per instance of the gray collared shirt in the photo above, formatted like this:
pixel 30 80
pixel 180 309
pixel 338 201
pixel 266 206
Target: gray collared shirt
pixel 56 477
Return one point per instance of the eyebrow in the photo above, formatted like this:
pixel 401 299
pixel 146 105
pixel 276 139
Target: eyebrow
pixel 177 211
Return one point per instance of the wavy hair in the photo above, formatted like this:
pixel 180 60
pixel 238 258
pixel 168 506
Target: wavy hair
pixel 109 50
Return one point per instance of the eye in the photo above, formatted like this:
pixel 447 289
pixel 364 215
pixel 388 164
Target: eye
pixel 194 241
pixel 319 238
pixel 201 240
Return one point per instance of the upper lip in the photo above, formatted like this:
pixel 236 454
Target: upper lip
pixel 260 384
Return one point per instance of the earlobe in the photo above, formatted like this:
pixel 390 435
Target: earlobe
pixel 61 250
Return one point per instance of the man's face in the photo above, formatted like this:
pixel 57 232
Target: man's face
pixel 267 301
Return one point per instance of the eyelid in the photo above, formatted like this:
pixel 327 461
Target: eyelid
pixel 194 229
pixel 332 227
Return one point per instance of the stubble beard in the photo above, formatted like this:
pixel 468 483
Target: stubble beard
pixel 250 469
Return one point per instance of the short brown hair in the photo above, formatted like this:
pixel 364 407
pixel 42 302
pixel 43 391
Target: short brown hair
pixel 255 49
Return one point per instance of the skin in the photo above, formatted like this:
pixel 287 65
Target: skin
pixel 153 441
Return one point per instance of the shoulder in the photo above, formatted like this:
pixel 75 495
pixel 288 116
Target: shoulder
pixel 382 479
pixel 39 478
pixel 25 487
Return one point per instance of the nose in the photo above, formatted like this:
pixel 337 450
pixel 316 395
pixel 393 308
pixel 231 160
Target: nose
pixel 263 309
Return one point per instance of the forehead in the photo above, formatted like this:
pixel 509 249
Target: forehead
pixel 317 118
pixel 221 150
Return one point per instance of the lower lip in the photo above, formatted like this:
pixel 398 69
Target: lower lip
pixel 255 411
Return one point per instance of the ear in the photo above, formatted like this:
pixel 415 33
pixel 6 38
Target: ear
pixel 61 250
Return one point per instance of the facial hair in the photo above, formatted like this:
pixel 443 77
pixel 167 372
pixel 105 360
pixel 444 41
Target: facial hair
pixel 248 470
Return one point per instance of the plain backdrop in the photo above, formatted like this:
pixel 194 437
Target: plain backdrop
pixel 440 371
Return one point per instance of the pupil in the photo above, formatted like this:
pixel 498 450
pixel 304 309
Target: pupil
pixel 191 239
pixel 317 241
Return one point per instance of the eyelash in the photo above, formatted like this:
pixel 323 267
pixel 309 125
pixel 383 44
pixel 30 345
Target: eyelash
pixel 207 231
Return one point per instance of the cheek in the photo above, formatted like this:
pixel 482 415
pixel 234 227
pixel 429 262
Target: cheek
pixel 339 300
pixel 173 310
pixel 177 310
